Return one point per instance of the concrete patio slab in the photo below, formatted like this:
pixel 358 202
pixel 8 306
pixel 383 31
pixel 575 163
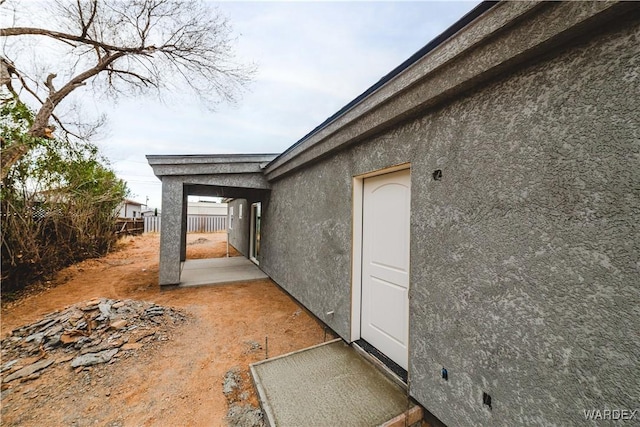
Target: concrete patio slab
pixel 198 272
pixel 326 385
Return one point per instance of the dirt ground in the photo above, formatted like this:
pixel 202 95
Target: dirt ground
pixel 174 382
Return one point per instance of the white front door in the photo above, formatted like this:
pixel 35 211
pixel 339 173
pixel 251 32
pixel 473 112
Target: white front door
pixel 385 264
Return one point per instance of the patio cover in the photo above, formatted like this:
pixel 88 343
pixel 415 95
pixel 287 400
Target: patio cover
pixel 232 176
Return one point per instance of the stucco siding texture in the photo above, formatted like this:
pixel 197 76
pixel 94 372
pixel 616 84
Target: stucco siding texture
pixel 239 234
pixel 525 257
pixel 306 239
pixel 525 266
pixel 172 231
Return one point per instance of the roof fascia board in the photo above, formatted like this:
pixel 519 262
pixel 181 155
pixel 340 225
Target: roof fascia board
pixel 186 165
pixel 206 169
pixel 489 45
pixel 178 159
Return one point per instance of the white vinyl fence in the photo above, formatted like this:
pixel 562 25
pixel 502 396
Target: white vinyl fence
pixel 195 223
pixel 151 224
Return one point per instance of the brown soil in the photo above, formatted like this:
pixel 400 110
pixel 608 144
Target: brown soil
pixel 172 382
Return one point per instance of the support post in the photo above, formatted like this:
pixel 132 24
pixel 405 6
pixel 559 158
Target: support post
pixel 183 235
pixel 171 230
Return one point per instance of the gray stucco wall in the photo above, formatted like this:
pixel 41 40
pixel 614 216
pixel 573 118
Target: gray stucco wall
pixel 524 258
pixel 239 235
pixel 173 245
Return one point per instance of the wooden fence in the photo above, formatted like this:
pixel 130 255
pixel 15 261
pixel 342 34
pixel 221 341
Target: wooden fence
pixel 195 223
pixel 129 226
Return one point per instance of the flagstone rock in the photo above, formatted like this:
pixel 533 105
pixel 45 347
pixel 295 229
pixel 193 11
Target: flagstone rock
pixel 64 359
pixel 29 370
pixel 105 309
pixel 118 324
pixel 84 334
pixel 93 358
pixel 8 365
pixel 37 338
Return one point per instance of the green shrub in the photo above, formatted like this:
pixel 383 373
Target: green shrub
pixel 58 203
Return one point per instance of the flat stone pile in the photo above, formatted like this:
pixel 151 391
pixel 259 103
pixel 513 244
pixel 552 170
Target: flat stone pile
pixel 85 334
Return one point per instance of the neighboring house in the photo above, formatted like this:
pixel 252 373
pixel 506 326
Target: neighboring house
pixel 57 195
pixel 149 212
pixel 130 209
pixel 46 203
pixel 477 210
pixel 206 208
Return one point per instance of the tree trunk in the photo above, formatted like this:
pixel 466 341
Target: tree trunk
pixel 10 155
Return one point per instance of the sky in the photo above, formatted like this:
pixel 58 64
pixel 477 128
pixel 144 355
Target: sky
pixel 312 58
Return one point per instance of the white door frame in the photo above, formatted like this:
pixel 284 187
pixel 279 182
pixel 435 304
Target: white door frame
pixel 252 232
pixel 356 266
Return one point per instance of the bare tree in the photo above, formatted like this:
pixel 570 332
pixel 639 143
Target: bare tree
pixel 125 47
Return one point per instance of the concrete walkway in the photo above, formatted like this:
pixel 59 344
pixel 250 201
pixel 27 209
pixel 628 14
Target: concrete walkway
pixel 214 271
pixel 327 385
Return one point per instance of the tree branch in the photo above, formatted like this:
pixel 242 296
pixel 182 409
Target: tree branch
pixel 156 44
pixel 87 25
pixel 54 98
pixel 65 37
pixel 49 82
pixel 144 80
